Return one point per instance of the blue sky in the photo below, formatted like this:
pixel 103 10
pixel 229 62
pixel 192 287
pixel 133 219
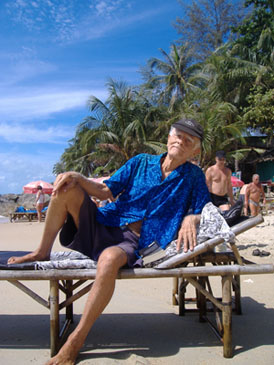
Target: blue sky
pixel 54 55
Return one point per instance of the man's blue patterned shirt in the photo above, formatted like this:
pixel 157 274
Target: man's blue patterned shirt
pixel 160 204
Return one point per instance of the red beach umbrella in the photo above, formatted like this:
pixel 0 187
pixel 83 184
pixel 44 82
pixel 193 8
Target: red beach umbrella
pixel 236 183
pixel 31 188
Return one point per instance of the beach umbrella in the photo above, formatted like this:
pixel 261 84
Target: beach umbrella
pixel 31 187
pixel 236 183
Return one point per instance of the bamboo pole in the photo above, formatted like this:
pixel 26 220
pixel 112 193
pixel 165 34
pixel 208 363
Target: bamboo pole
pixel 174 291
pixel 69 308
pixel 236 253
pixel 30 293
pixel 205 293
pixel 89 274
pixel 227 316
pixel 54 317
pixel 75 296
pixel 209 244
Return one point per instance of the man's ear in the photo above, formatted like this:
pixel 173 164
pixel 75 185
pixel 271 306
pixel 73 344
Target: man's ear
pixel 197 151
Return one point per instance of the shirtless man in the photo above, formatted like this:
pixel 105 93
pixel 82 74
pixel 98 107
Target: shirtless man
pixel 253 195
pixel 218 179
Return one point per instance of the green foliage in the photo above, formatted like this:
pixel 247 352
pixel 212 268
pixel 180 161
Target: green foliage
pixel 169 77
pixel 255 40
pixel 114 132
pixel 260 112
pixel 230 91
pixel 206 24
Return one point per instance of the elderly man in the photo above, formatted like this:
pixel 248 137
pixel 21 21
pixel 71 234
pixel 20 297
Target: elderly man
pixel 154 195
pixel 253 194
pixel 218 179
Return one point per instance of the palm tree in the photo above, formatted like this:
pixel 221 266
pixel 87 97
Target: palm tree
pixel 170 77
pixel 228 78
pixel 119 128
pixel 74 159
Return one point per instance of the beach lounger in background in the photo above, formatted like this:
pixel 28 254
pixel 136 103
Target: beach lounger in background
pixel 29 214
pixel 65 285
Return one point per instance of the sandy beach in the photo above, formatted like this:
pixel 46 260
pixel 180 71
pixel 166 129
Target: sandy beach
pixel 140 325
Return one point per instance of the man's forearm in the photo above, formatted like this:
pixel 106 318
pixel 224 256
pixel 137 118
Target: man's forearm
pixel 93 188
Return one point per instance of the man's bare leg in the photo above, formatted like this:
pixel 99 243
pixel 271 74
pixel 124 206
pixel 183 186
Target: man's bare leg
pixel 254 209
pixel 60 204
pixel 110 261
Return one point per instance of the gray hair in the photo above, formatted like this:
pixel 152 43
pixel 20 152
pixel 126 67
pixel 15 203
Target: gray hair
pixel 197 144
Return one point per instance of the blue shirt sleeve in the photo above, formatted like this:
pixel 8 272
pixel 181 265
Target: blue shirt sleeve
pixel 120 180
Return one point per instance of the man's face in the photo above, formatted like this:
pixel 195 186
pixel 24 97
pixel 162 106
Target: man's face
pixel 182 145
pixel 220 161
pixel 256 179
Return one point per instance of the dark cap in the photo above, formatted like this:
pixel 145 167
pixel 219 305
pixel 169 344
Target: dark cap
pixel 189 126
pixel 220 154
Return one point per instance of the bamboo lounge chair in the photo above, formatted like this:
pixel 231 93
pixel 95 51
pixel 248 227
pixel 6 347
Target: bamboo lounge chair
pixel 177 267
pixel 29 214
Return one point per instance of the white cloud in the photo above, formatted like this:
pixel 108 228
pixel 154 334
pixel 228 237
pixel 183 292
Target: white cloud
pixel 106 8
pixel 24 104
pixel 79 20
pixel 31 134
pixel 23 70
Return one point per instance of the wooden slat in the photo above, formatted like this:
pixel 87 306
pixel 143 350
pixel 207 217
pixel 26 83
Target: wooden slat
pixel 30 293
pixel 75 296
pixel 205 293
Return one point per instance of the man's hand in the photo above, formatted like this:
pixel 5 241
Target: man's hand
pixel 188 232
pixel 65 181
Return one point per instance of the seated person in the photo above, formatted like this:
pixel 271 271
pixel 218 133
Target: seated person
pixel 154 195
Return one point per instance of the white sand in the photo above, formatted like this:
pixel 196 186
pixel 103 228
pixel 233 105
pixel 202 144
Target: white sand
pixel 140 326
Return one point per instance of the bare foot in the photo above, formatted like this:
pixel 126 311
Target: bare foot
pixel 67 354
pixel 30 257
pixel 59 360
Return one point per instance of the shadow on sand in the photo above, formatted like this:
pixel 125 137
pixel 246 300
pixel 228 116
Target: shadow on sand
pixel 118 336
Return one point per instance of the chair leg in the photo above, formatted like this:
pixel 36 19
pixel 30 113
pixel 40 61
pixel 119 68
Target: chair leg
pixel 69 308
pixel 54 316
pixel 202 300
pixel 175 291
pixel 181 296
pixel 237 291
pixel 227 316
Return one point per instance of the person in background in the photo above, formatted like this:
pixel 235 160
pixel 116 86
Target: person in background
pixel 242 197
pixel 155 193
pixel 253 194
pixel 40 201
pixel 218 179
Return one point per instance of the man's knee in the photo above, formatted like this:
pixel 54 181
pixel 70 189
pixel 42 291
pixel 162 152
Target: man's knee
pixel 73 196
pixel 111 260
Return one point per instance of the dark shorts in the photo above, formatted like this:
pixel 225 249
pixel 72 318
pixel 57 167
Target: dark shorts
pixel 218 200
pixel 92 237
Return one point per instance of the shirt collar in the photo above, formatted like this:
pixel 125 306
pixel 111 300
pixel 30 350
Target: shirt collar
pixel 181 169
